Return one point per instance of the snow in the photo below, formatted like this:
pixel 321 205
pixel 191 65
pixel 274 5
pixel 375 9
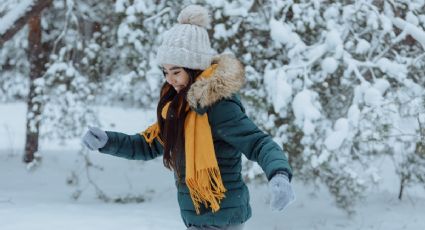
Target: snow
pixel 353 115
pixel 215 3
pixel 237 8
pixel 120 6
pixel 335 139
pixel 414 88
pixel 278 89
pixel 411 18
pixel 15 12
pixel 333 39
pixel 331 13
pixel 362 46
pixel 372 21
pixel 305 111
pixel 322 158
pixel 382 85
pixel 387 25
pixel 372 97
pixel 220 31
pixel 329 65
pixel 416 32
pixel 42 197
pixel 347 12
pixel 422 118
pixel 392 68
pixel 283 34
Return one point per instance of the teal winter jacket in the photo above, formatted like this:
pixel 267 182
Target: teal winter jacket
pixel 233 134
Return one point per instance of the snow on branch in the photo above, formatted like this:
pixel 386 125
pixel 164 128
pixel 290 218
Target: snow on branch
pixel 417 33
pixel 17 17
pixel 7 21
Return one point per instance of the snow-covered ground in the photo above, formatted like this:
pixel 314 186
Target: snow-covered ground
pixel 40 199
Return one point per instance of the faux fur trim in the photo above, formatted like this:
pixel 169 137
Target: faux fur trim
pixel 227 79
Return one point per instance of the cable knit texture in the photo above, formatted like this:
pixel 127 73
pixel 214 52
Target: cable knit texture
pixel 187 43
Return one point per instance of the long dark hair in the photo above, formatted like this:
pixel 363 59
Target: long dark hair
pixel 172 128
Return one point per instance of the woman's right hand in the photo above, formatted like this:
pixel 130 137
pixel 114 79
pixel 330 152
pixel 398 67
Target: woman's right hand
pixel 94 138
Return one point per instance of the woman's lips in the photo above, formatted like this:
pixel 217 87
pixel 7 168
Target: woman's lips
pixel 178 86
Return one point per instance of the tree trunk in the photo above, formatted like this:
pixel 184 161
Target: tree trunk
pixel 36 59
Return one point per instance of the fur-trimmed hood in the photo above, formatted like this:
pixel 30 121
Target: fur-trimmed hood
pixel 227 79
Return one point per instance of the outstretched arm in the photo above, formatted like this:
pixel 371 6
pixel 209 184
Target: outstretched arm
pixel 133 147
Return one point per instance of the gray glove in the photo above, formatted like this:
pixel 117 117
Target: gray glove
pixel 281 191
pixel 94 138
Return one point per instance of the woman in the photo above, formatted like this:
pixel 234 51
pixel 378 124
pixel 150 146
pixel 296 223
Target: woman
pixel 201 131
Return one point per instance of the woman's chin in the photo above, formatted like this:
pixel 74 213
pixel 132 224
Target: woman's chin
pixel 178 89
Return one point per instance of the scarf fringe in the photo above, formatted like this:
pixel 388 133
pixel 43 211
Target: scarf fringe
pixel 206 188
pixel 151 133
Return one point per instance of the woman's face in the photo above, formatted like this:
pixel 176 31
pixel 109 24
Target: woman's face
pixel 175 76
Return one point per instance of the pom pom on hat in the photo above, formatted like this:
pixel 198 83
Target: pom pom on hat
pixel 194 15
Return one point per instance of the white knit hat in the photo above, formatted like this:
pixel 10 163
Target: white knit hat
pixel 187 43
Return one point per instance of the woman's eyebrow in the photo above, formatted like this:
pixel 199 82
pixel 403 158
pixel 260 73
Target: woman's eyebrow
pixel 172 68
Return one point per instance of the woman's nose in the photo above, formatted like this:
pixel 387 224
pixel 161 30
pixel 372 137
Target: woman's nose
pixel 172 80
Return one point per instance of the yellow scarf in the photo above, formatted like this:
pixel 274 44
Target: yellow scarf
pixel 203 176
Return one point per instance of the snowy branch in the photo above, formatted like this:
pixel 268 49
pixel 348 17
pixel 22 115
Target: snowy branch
pixel 13 14
pixel 69 6
pixel 166 10
pixel 414 31
pixel 17 18
pixel 316 53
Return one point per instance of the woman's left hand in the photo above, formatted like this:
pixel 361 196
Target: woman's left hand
pixel 281 191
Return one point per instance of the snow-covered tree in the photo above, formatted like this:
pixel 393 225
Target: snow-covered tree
pixel 14 68
pixel 77 64
pixel 350 90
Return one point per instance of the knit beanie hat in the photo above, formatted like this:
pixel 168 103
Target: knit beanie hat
pixel 187 43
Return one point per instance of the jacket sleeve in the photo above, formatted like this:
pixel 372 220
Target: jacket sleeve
pixel 133 147
pixel 230 123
